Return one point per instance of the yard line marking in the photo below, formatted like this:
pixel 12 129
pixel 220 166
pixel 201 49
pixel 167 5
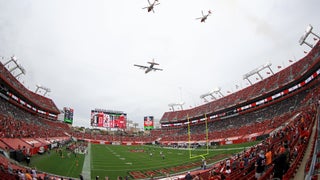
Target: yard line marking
pixel 86 169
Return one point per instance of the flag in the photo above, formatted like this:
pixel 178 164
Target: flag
pixel 315 39
pixel 228 92
pixel 305 52
pixel 279 67
pixel 268 72
pixel 237 86
pixel 290 60
pixel 257 78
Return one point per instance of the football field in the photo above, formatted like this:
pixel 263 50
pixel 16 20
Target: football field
pixel 132 161
pixel 116 161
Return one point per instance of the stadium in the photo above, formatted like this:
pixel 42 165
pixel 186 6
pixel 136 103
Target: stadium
pixel 282 110
pixel 266 130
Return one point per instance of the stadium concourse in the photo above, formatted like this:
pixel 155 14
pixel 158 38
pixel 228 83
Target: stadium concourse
pixel 281 111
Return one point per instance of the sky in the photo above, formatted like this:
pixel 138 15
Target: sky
pixel 84 50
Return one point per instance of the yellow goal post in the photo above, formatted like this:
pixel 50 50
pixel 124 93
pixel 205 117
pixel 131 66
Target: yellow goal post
pixel 192 156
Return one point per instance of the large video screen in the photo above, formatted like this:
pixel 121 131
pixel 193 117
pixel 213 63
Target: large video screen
pixel 148 123
pixel 108 119
pixel 68 115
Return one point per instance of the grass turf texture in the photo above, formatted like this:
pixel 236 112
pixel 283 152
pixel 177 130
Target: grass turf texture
pixel 53 163
pixel 113 161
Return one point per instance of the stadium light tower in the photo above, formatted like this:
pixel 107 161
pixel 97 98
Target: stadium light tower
pixel 257 71
pixel 218 91
pixel 135 126
pixel 172 105
pixel 43 88
pixel 14 60
pixel 203 96
pixel 214 91
pixel 23 71
pixel 129 122
pixel 306 34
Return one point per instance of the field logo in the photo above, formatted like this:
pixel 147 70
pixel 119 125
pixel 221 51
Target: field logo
pixel 192 155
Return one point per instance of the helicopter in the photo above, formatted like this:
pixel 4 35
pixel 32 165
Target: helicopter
pixel 204 16
pixel 151 5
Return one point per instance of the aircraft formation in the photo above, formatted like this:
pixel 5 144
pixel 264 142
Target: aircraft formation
pixel 150 8
pixel 156 2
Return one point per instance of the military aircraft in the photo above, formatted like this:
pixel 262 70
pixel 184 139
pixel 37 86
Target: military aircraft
pixel 204 17
pixel 150 67
pixel 151 5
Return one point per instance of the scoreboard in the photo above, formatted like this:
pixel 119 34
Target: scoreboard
pixel 108 119
pixel 68 115
pixel 148 123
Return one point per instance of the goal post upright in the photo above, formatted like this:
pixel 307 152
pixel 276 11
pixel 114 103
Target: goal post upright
pixel 189 137
pixel 207 139
pixel 207 132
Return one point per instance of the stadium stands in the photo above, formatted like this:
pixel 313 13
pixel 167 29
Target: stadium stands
pixel 284 120
pixel 272 84
pixel 9 82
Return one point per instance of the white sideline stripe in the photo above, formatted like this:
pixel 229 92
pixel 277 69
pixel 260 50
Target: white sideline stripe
pixel 86 169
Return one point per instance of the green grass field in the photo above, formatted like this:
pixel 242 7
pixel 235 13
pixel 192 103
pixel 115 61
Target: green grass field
pixel 115 160
pixel 54 164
